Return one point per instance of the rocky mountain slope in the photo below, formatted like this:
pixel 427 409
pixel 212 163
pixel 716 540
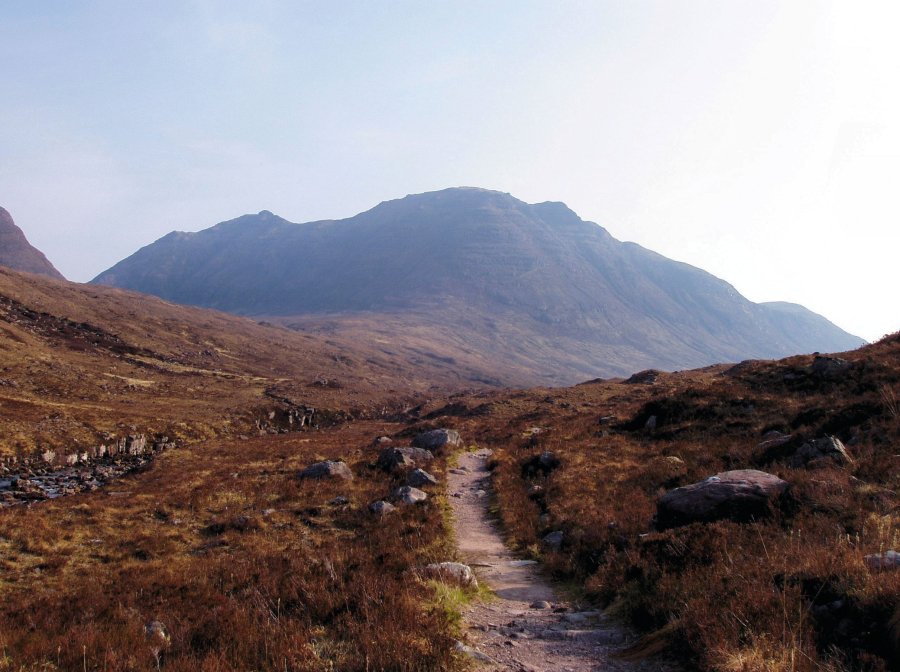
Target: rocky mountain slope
pixel 18 254
pixel 518 293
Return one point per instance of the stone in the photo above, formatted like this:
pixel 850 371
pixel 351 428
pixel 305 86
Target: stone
pixel 408 495
pixel 156 634
pixel 651 423
pixel 418 478
pixel 381 508
pixel 540 605
pixel 830 368
pixel 776 441
pixel 548 460
pixel 608 420
pixel 553 540
pixel 741 496
pixel 469 652
pixel 827 446
pixel 451 571
pixel 339 501
pixel 886 560
pixel 437 439
pixel 392 459
pixel 382 441
pixel 327 469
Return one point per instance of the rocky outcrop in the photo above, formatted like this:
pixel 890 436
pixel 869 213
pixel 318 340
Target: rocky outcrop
pixel 830 368
pixel 827 448
pixel 327 469
pixel 741 496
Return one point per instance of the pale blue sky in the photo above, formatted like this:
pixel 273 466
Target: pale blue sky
pixel 756 139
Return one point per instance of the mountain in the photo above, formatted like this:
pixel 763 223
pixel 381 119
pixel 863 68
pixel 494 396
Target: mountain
pixel 518 293
pixel 18 254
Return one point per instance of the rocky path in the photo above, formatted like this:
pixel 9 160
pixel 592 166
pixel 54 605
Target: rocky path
pixel 527 628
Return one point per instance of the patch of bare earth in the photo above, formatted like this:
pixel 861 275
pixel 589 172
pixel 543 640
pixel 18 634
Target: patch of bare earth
pixel 512 630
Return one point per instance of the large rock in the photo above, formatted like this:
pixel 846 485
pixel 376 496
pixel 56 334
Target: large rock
pixel 437 439
pixel 554 540
pixel 741 496
pixel 886 560
pixel 830 368
pixel 381 508
pixel 827 446
pixel 408 495
pixel 451 571
pixel 327 469
pixel 402 458
pixel 418 478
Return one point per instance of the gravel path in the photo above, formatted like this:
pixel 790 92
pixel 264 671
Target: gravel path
pixel 514 634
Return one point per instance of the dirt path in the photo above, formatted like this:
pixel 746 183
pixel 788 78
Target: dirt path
pixel 514 630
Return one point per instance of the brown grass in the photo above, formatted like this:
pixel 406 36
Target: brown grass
pixel 788 593
pixel 310 586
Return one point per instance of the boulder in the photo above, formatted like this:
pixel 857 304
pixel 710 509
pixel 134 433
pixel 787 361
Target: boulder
pixel 741 496
pixel 548 460
pixel 402 458
pixel 408 495
pixel 418 478
pixel 327 469
pixel 381 442
pixel 830 368
pixel 469 652
pixel 886 560
pixel 553 540
pixel 437 439
pixel 381 508
pixel 651 423
pixel 827 446
pixel 451 571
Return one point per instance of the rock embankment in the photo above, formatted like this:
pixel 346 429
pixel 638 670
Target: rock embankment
pixel 56 474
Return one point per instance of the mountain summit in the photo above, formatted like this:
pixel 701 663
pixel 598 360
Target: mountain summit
pixel 522 293
pixel 18 254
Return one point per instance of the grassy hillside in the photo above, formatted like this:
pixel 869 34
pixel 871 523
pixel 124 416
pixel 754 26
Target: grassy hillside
pixel 790 591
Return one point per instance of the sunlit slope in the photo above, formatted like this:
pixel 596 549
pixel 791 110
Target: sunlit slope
pixel 532 288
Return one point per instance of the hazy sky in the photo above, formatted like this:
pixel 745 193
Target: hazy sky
pixel 759 140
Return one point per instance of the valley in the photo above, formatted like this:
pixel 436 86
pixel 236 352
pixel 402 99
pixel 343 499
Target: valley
pixel 157 507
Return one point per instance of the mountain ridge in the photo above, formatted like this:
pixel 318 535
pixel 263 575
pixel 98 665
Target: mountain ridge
pixel 516 278
pixel 18 254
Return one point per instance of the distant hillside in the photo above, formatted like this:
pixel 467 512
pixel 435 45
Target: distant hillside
pixel 526 294
pixel 18 254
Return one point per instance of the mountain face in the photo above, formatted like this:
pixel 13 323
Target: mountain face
pixel 529 294
pixel 18 254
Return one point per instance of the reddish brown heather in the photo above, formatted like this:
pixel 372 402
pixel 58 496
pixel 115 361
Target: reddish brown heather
pixel 246 566
pixel 790 592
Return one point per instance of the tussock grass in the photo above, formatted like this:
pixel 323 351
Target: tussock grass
pixel 308 586
pixel 791 592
